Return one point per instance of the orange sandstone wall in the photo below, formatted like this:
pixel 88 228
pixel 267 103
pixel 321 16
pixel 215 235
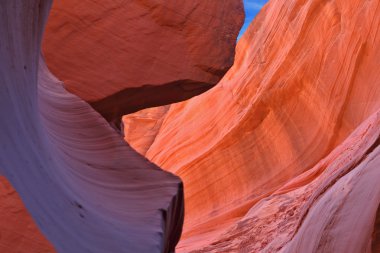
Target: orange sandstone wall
pixel 330 208
pixel 282 156
pixel 305 77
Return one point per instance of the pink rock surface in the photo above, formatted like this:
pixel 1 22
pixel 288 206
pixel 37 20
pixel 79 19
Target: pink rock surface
pixel 305 77
pixel 330 208
pixel 142 137
pixel 88 190
pixel 116 54
pixel 85 187
pixel 282 156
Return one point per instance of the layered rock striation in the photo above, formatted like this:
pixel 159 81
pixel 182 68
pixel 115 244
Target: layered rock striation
pixel 305 77
pixel 123 56
pixel 87 190
pixel 283 155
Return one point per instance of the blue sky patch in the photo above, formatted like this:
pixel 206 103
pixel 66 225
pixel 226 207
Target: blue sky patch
pixel 252 7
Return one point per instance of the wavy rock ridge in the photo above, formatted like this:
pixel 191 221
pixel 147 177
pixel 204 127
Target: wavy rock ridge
pixel 281 156
pixel 87 190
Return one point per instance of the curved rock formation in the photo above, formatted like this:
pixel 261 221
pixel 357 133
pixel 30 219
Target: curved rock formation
pixel 141 128
pixel 330 208
pixel 282 156
pixel 116 54
pixel 305 77
pixel 87 190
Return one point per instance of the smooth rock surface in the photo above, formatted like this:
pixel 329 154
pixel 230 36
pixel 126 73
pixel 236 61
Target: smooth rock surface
pixel 142 137
pixel 116 54
pixel 305 77
pixel 330 208
pixel 18 231
pixel 87 190
pixel 282 156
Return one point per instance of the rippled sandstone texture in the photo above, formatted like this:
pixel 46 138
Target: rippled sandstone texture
pixel 123 56
pixel 86 189
pixel 282 155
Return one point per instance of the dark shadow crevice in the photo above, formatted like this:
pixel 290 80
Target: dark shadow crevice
pixel 131 100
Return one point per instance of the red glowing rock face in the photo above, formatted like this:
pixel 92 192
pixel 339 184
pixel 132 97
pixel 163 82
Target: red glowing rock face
pixel 87 190
pixel 115 54
pixel 268 157
pixel 18 232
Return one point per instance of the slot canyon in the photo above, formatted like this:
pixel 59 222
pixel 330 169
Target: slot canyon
pixel 145 126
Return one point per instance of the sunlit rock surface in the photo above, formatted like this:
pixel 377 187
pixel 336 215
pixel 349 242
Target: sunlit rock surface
pixel 87 190
pixel 268 157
